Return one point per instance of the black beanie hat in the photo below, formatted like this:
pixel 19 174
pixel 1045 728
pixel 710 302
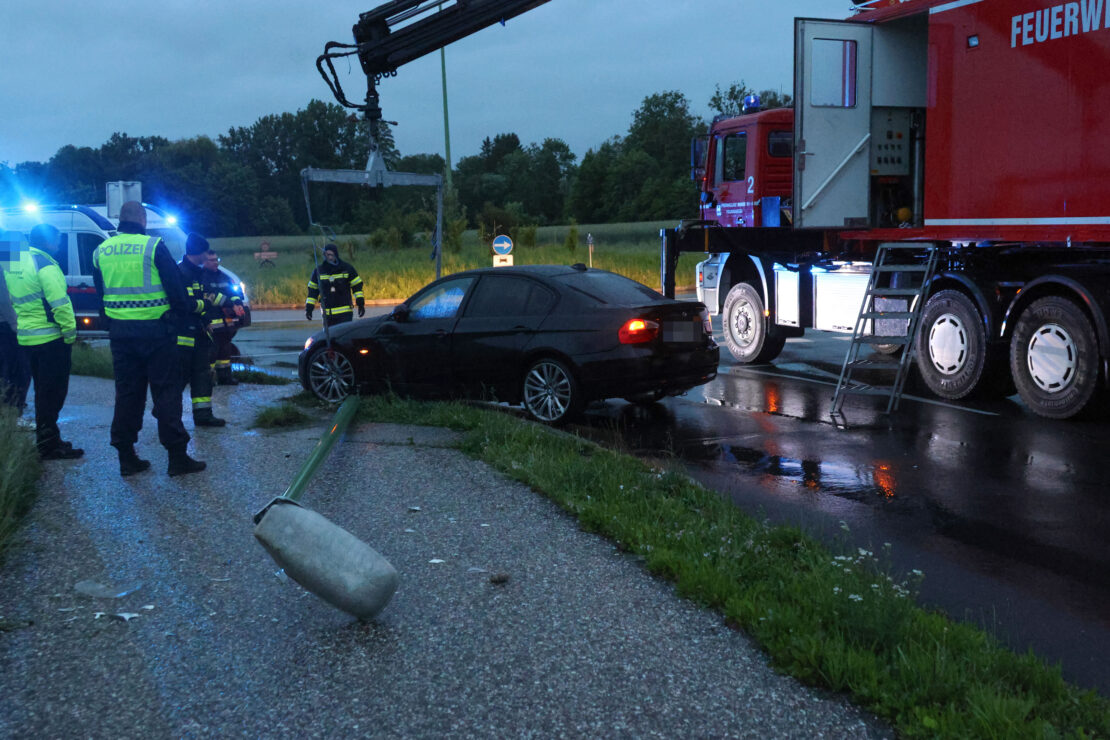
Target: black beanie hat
pixel 331 248
pixel 196 244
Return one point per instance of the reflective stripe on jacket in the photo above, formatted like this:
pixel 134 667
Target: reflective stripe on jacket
pixel 132 285
pixel 37 289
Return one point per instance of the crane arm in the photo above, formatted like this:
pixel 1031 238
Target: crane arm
pixel 397 32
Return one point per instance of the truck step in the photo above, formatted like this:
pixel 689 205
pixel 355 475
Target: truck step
pixel 886 363
pixel 886 315
pixel 900 268
pixel 883 340
pixel 892 292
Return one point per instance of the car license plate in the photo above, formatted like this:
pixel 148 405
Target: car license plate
pixel 680 331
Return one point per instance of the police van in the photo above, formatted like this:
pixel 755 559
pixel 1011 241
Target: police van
pixel 82 229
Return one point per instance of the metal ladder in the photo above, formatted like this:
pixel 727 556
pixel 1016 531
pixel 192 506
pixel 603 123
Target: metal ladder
pixel 911 281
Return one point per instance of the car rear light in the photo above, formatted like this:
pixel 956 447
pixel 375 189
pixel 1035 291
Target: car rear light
pixel 638 331
pixel 701 277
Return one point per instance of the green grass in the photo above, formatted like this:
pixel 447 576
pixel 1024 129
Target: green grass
pixel 259 377
pixel 19 471
pixel 282 416
pixel 629 249
pixel 843 622
pixel 92 361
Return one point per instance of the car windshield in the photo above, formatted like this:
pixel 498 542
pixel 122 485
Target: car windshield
pixel 610 288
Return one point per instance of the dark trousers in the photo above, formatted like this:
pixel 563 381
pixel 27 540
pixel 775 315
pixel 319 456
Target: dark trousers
pixel 50 365
pixel 15 370
pixel 221 350
pixel 140 363
pixel 196 373
pixel 339 318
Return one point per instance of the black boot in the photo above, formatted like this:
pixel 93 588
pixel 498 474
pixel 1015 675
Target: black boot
pixel 129 462
pixel 205 418
pixel 224 376
pixel 182 464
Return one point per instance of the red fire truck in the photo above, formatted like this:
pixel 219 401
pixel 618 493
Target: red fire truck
pixel 971 128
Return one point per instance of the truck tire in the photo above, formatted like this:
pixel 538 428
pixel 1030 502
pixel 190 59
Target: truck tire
pixel 952 345
pixel 746 328
pixel 1054 358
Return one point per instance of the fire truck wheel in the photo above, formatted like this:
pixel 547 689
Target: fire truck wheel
pixel 951 345
pixel 1054 358
pixel 745 327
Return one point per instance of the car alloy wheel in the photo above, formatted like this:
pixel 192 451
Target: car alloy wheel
pixel 331 376
pixel 550 392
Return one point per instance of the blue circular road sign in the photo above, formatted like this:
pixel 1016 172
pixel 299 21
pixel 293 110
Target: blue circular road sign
pixel 502 244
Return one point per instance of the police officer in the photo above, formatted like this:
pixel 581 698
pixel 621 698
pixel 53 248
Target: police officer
pixel 333 284
pixel 194 344
pixel 46 328
pixel 15 374
pixel 221 293
pixel 143 301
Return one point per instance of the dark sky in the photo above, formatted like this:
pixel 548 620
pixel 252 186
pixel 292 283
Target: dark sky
pixel 75 72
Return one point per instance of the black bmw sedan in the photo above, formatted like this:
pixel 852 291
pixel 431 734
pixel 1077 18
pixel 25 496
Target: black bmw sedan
pixel 552 338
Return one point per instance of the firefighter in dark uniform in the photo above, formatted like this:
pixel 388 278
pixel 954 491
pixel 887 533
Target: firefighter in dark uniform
pixel 333 284
pixel 46 329
pixel 143 303
pixel 194 344
pixel 221 293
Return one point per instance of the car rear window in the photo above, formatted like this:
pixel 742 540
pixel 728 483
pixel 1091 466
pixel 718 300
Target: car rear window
pixel 610 288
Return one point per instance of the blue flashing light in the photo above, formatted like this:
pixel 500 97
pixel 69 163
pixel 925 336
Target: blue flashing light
pixel 30 207
pixel 171 220
pixel 752 104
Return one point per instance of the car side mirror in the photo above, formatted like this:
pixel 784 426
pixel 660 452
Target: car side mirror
pixel 400 313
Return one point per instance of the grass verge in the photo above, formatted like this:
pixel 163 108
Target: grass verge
pixel 92 361
pixel 842 622
pixel 282 416
pixel 19 471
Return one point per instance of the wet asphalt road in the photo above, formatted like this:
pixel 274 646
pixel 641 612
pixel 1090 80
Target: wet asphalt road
pixel 1006 513
pixel 209 641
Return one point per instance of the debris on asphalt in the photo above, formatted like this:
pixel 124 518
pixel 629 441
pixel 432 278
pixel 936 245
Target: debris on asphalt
pixel 281 576
pixel 11 625
pixel 414 508
pixel 100 591
pixel 410 531
pixel 499 579
pixel 124 616
pixel 437 560
pixel 476 570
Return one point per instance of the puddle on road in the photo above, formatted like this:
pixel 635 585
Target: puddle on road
pixel 863 481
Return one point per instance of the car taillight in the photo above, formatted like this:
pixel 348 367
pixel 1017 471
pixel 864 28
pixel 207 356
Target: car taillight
pixel 638 331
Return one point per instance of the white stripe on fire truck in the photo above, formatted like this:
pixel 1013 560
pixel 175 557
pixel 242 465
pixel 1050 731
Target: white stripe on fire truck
pixel 1065 221
pixel 952 6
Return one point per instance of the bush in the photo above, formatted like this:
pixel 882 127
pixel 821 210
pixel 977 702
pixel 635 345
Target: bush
pixel 571 242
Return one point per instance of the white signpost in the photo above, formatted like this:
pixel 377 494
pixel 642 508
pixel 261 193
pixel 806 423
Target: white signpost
pixel 502 251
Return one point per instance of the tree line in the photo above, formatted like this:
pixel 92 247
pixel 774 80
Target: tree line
pixel 247 181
